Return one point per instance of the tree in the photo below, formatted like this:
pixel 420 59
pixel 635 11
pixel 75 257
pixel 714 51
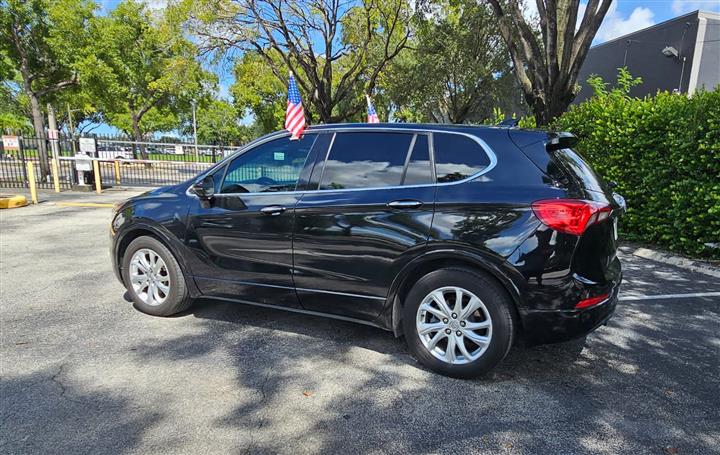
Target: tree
pixel 457 70
pixel 43 39
pixel 13 115
pixel 143 72
pixel 547 62
pixel 336 49
pixel 258 91
pixel 218 124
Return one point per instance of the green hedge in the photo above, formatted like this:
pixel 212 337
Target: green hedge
pixel 664 153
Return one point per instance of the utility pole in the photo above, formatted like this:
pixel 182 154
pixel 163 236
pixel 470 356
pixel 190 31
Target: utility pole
pixel 197 154
pixel 52 131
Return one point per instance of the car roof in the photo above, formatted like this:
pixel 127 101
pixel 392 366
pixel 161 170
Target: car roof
pixel 402 126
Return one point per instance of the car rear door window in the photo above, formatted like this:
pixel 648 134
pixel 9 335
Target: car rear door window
pixel 365 160
pixel 419 169
pixel 269 167
pixel 457 157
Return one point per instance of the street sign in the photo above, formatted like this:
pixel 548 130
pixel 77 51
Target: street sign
pixel 87 145
pixel 53 134
pixel 11 143
pixel 83 162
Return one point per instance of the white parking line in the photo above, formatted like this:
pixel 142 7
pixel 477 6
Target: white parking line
pixel 669 296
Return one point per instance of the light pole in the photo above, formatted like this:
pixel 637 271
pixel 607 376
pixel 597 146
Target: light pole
pixel 197 154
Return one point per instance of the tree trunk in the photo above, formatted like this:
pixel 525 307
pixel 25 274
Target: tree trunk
pixel 138 137
pixel 39 125
pixel 37 115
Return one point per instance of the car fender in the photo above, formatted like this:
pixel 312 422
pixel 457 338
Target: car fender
pixel 171 241
pixel 495 265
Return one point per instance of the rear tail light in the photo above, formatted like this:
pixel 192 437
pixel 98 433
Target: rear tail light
pixel 592 301
pixel 571 216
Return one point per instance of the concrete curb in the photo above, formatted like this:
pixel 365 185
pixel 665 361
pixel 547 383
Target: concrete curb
pixel 689 264
pixel 12 201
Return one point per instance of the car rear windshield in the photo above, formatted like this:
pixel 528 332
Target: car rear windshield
pixel 457 157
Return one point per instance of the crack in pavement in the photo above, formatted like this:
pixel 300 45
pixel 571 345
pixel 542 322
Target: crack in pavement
pixel 263 415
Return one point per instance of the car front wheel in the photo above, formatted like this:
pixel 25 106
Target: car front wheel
pixel 458 322
pixel 154 278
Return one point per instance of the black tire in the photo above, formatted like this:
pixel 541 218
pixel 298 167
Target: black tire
pixel 496 301
pixel 178 298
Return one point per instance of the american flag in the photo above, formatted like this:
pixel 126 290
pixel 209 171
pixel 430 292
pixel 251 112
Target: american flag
pixel 295 114
pixel 372 115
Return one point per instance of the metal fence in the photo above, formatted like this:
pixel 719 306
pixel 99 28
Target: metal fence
pixel 120 162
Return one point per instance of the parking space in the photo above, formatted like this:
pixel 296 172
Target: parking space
pixel 83 372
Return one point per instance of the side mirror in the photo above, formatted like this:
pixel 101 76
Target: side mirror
pixel 205 188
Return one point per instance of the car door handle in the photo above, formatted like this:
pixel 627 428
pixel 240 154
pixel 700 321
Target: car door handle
pixel 273 210
pixel 405 204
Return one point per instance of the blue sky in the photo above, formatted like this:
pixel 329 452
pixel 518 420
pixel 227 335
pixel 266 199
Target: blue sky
pixel 624 16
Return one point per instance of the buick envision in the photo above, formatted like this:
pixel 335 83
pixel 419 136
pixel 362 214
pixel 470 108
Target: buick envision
pixel 460 238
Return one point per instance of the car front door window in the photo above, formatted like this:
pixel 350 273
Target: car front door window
pixel 270 167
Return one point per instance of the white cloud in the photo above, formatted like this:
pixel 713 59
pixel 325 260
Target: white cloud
pixel 685 6
pixel 616 24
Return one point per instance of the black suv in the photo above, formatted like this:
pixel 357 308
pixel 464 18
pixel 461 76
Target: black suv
pixel 462 239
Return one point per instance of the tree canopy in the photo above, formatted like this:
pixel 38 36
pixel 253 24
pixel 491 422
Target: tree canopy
pixel 457 69
pixel 41 42
pixel 336 49
pixel 143 71
pixel 140 69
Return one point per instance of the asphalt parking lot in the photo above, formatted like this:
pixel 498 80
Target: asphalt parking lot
pixel 83 372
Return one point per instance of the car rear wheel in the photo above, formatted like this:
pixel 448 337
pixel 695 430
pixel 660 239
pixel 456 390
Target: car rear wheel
pixel 458 322
pixel 154 278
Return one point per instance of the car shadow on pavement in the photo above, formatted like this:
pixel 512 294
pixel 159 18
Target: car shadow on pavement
pixel 50 411
pixel 320 385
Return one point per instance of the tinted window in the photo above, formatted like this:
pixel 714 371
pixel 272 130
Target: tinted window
pixel 577 167
pixel 365 160
pixel 419 169
pixel 457 157
pixel 273 166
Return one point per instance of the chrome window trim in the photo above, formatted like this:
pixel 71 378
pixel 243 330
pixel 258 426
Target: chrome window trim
pixel 484 145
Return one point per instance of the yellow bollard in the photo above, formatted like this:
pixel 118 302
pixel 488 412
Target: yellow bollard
pixel 31 182
pixel 117 172
pixel 55 175
pixel 98 180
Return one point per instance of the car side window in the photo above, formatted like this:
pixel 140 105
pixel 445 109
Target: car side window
pixel 457 157
pixel 272 166
pixel 365 160
pixel 419 168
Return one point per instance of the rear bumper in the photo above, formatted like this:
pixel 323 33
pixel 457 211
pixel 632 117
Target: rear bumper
pixel 553 326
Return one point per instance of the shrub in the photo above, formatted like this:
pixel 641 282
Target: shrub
pixel 664 153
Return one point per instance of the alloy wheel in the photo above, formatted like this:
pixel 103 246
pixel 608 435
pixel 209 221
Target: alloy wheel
pixel 454 325
pixel 149 277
